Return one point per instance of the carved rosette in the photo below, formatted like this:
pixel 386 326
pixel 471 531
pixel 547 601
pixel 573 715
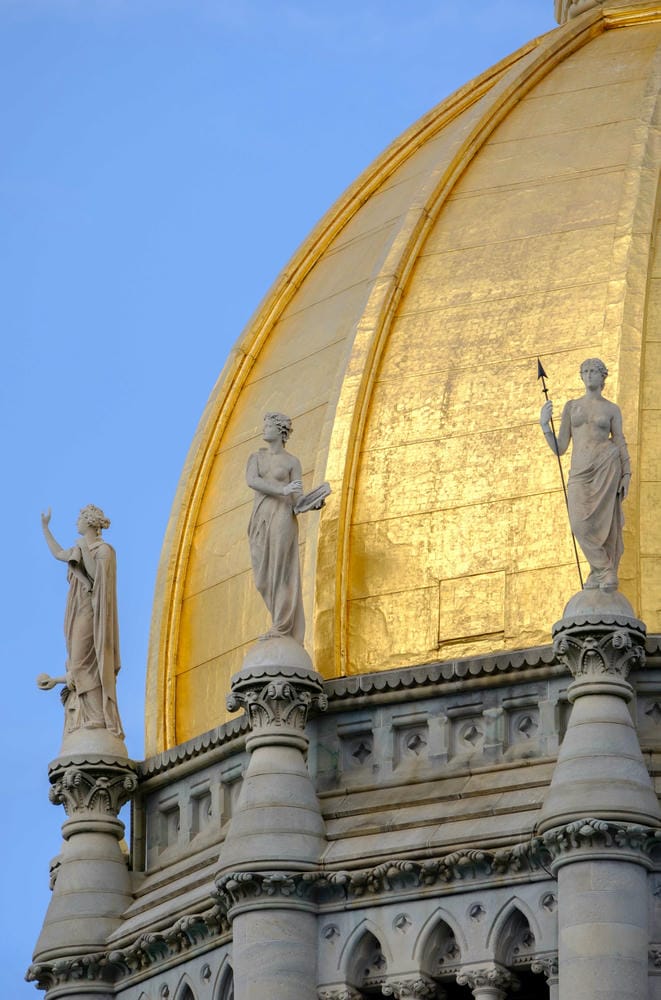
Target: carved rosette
pixel 410 988
pixel 279 700
pixel 492 980
pixel 92 790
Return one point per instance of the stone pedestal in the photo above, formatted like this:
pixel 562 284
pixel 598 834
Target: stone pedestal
pixel 601 807
pixel 92 885
pixel 277 831
pixel 600 770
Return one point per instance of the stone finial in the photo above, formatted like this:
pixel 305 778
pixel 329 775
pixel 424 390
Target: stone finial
pixel 566 9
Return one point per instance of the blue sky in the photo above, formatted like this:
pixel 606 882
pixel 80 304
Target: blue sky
pixel 161 161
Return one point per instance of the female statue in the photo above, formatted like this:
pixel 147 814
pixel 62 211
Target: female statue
pixel 275 476
pixel 90 626
pixel 599 475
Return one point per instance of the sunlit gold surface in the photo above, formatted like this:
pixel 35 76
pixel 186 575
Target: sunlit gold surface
pixel 514 220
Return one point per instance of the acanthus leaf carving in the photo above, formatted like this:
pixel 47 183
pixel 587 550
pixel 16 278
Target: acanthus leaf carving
pixel 284 700
pixel 98 789
pixel 599 650
pixel 409 988
pixel 491 975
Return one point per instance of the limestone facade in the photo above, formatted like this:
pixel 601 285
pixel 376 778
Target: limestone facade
pixel 428 875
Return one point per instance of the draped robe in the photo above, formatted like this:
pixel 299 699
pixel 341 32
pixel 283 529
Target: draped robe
pixel 92 638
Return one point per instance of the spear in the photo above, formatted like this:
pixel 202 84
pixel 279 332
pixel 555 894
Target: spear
pixel 542 374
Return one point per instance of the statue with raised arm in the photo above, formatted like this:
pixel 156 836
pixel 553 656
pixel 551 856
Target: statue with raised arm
pixel 275 476
pixel 599 475
pixel 90 626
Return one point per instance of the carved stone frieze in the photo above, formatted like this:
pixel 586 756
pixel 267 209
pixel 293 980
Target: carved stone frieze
pixel 234 888
pixel 595 649
pixel 283 700
pixel 491 976
pixel 147 950
pixel 92 789
pixel 409 988
pixel 599 835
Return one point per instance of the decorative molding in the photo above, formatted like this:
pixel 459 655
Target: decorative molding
pixel 431 674
pixel 541 659
pixel 146 951
pixel 234 888
pixel 201 745
pixel 96 789
pixel 599 648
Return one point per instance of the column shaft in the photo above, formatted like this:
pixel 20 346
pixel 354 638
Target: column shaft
pixel 603 930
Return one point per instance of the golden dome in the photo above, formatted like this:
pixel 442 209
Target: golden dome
pixel 516 219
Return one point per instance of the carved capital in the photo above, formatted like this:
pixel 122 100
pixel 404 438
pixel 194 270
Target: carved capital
pixel 339 993
pixel 235 888
pixel 546 965
pixel 92 790
pixel 596 650
pixel 409 988
pixel 602 836
pixel 488 977
pixel 280 698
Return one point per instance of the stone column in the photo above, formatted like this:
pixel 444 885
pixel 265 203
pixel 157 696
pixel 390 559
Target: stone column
pixel 549 967
pixel 600 807
pixel 92 883
pixel 277 832
pixel 488 982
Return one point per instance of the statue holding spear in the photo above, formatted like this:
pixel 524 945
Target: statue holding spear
pixel 600 472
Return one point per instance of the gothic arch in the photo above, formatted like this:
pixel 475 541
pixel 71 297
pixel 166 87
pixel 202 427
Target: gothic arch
pixel 224 988
pixel 363 961
pixel 184 990
pixel 440 945
pixel 514 935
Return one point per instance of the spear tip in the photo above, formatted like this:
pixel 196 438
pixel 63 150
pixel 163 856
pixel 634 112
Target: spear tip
pixel 540 371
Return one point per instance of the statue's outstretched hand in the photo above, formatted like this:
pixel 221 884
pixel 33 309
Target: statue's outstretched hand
pixel 546 413
pixel 45 519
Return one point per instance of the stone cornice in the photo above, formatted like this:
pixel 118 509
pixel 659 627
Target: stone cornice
pixel 314 888
pixel 149 949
